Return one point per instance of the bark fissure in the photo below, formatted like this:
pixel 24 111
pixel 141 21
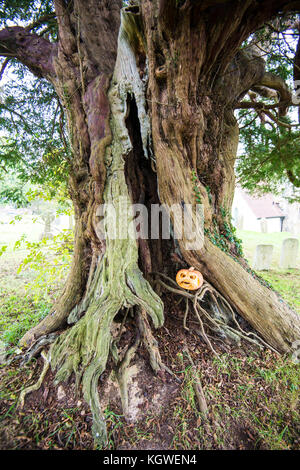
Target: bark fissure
pixel 118 282
pixel 208 125
pixel 149 100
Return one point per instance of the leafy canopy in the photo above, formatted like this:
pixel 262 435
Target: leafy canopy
pixel 33 144
pixel 269 159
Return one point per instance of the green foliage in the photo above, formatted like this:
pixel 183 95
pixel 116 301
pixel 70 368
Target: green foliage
pixel 270 155
pixel 32 125
pixel 230 235
pixel 225 235
pixel 195 187
pixel 13 190
pixel 51 261
pixel 26 12
pixel 3 249
pixel 277 43
pixel 287 283
pixel 32 121
pixel 269 161
pixel 114 423
pixel 45 267
pixel 19 314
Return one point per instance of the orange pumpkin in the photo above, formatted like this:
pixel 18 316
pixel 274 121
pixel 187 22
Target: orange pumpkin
pixel 189 279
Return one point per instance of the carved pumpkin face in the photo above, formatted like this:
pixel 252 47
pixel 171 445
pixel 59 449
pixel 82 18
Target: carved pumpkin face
pixel 189 279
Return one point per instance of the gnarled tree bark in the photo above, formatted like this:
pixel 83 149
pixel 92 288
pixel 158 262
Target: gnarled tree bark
pixel 149 96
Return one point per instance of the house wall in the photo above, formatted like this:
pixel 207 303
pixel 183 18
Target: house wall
pixel 274 224
pixel 243 217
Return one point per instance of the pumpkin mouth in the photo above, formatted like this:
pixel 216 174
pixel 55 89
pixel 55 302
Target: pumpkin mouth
pixel 189 279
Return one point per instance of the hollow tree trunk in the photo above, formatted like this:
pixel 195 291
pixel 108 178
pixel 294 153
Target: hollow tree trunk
pixel 149 99
pixel 193 128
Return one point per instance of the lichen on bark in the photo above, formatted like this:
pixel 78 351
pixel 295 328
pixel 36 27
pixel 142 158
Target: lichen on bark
pixel 117 282
pixel 150 120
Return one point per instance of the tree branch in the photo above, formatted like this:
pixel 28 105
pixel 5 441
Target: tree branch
pixel 293 179
pixel 67 37
pixel 272 87
pixel 275 82
pixel 260 105
pixel 33 51
pixel 278 122
pixel 40 21
pixel 3 66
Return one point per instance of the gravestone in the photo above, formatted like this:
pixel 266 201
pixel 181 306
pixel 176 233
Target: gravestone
pixel 48 217
pixel 289 252
pixel 263 257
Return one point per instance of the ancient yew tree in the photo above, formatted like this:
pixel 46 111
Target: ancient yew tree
pixel 149 91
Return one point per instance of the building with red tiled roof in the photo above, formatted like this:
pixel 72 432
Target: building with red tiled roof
pixel 258 214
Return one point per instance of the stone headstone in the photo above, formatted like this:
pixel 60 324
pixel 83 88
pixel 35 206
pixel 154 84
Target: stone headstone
pixel 48 217
pixel 263 257
pixel 264 226
pixel 289 253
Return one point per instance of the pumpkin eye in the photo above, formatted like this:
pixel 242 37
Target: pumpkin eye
pixel 189 280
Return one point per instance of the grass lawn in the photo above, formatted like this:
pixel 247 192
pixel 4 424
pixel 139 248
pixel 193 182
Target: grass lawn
pixel 252 395
pixel 252 239
pixel 286 282
pixel 26 296
pixel 21 307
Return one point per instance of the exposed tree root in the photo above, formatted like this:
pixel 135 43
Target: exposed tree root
pixel 218 317
pixel 202 404
pixel 152 345
pixel 84 348
pixel 34 349
pixel 122 371
pixel 37 385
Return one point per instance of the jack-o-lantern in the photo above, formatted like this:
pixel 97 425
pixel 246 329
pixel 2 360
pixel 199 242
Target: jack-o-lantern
pixel 189 279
